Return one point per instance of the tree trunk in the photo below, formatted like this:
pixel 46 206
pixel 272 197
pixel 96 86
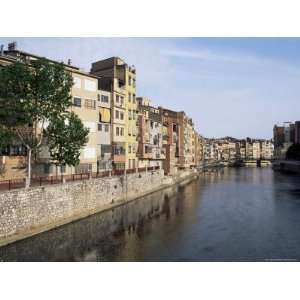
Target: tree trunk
pixel 28 179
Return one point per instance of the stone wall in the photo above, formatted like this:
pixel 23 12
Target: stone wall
pixel 26 212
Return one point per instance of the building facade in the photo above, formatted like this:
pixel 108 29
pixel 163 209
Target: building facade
pixel 120 79
pixel 151 152
pixel 125 132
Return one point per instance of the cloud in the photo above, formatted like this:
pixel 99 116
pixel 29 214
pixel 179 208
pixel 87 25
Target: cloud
pixel 226 92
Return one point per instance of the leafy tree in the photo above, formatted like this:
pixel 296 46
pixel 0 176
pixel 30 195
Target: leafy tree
pixel 66 136
pixel 5 139
pixel 31 95
pixel 293 152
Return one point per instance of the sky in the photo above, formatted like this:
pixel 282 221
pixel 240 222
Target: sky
pixel 236 87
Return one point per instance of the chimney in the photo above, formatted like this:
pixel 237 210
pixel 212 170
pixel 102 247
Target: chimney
pixel 12 46
pixel 1 50
pixel 69 61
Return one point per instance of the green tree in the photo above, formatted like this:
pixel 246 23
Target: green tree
pixel 293 153
pixel 65 137
pixel 5 139
pixel 31 95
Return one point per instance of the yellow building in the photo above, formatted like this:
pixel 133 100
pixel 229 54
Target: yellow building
pixel 119 78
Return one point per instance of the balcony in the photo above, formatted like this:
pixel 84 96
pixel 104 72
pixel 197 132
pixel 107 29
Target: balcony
pixel 119 158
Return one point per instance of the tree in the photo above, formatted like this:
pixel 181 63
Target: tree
pixel 65 137
pixel 5 139
pixel 293 153
pixel 31 95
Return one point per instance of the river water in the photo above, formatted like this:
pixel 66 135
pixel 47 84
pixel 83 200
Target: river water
pixel 245 214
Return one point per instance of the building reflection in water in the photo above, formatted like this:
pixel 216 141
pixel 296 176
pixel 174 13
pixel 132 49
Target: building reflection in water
pixel 113 235
pixel 233 214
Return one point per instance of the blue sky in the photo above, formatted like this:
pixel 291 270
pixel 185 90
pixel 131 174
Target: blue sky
pixel 229 86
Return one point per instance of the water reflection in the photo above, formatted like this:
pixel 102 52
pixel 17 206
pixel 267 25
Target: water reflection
pixel 233 214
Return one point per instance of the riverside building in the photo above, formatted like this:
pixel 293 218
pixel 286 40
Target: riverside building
pixel 124 132
pixel 120 79
pixel 88 103
pixel 151 152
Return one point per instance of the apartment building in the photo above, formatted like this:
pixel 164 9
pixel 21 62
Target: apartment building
pixel 267 149
pixel 150 136
pixel 199 149
pixel 171 138
pixel 241 150
pixel 104 156
pixel 90 104
pixel 186 136
pixel 122 128
pixel 284 137
pixel 120 79
pixel 297 132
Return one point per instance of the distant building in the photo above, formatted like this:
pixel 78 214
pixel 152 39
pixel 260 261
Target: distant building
pixel 284 137
pixel 297 132
pixel 230 150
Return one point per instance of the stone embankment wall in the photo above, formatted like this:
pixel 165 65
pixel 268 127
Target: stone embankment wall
pixel 24 213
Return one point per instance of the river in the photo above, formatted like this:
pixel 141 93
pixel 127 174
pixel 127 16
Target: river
pixel 244 214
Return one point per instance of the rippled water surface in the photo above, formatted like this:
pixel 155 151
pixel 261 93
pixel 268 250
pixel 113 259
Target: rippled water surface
pixel 234 214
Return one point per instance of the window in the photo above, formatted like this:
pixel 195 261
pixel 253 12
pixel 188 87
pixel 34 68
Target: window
pixel 117 114
pixel 77 82
pixel 129 149
pixel 117 99
pixel 90 104
pixel 133 82
pixel 133 115
pixel 121 115
pixel 117 131
pixel 129 97
pixel 119 150
pixel 90 85
pixel 129 115
pixel 99 127
pixel 77 101
pixel 106 128
pixel 122 101
pixel 134 98
pixel 122 131
pixel 104 99
pixel 129 80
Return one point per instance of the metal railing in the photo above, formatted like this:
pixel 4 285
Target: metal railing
pixel 48 180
